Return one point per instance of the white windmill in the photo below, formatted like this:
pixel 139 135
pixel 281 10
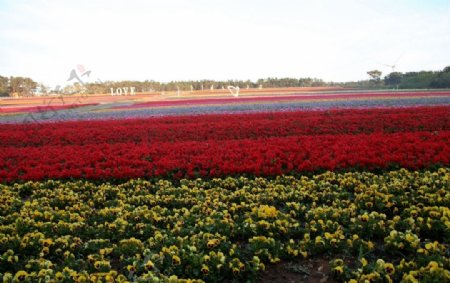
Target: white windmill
pixel 393 66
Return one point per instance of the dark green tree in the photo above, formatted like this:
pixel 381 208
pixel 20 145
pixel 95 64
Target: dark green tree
pixel 393 79
pixel 442 79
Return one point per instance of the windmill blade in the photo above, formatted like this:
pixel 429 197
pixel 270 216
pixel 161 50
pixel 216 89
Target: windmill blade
pixel 399 57
pixel 386 65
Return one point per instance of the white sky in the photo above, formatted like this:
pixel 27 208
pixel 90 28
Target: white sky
pixel 221 39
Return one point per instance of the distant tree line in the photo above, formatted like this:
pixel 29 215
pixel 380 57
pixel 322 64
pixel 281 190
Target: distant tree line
pixel 21 86
pixel 153 86
pixel 422 79
pixel 17 86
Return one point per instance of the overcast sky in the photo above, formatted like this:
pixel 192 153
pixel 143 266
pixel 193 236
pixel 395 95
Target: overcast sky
pixel 221 39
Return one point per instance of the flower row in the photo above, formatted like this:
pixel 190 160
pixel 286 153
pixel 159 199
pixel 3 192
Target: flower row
pixel 260 157
pixel 227 127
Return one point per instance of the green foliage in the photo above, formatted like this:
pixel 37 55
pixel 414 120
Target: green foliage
pixel 153 86
pixel 3 86
pixel 422 79
pixel 393 79
pixel 411 80
pixel 442 80
pixel 20 85
pixel 375 75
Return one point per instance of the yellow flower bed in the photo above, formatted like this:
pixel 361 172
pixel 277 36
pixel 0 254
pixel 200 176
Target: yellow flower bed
pixel 382 228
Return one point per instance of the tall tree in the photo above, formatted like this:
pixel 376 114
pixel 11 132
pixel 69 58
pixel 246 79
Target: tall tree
pixel 393 79
pixel 442 80
pixel 21 86
pixel 375 75
pixel 4 85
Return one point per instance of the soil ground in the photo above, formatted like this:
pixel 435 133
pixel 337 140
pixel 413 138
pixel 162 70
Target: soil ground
pixel 308 271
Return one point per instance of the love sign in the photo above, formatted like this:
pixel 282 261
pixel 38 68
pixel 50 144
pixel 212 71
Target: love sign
pixel 234 90
pixel 123 91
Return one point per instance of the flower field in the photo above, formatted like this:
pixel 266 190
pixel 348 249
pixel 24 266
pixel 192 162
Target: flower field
pixel 289 98
pixel 70 108
pixel 262 144
pixel 46 108
pixel 394 226
pixel 225 193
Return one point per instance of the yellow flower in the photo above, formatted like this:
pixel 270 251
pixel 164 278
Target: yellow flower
pixel 176 260
pixel 21 276
pixel 91 258
pixel 435 214
pixel 338 270
pixel 319 240
pixel 274 260
pixel 205 269
pixel 212 243
pixel 236 271
pixel 81 279
pixel 410 278
pixel 364 217
pixel 42 273
pixel 7 277
pixel 59 276
pixel 121 278
pixel 45 250
pixel 109 279
pixel 422 251
pixel 389 268
pixel 47 242
pixel 12 259
pixel 410 238
pixel 433 266
pixel 363 261
pixel 149 265
pixel 429 246
pixel 265 211
pixel 241 266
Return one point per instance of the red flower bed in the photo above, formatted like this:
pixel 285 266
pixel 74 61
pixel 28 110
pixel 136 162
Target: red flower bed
pixel 227 126
pixel 219 145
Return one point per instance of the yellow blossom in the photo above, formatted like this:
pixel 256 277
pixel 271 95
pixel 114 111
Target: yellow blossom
pixel 176 260
pixel 21 276
pixel 205 269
